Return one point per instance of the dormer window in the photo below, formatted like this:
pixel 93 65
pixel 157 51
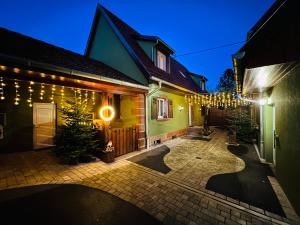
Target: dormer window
pixel 203 85
pixel 161 61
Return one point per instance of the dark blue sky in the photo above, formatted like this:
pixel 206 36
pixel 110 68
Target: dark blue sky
pixel 186 25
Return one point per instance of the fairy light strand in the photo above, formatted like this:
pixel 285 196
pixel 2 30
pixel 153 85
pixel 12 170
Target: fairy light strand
pixel 2 85
pixel 17 96
pixel 30 91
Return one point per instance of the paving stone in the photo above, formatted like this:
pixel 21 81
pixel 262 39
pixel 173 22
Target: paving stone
pixel 170 202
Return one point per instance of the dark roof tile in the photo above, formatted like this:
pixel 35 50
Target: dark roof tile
pixel 21 46
pixel 174 77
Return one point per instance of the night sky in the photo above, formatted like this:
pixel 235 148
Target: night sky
pixel 186 25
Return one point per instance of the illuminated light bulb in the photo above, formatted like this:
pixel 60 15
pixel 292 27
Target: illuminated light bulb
pixel 42 91
pixel 3 68
pixel 16 70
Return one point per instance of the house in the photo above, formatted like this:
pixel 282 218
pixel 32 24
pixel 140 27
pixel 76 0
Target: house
pixel 268 67
pixel 148 60
pixel 35 80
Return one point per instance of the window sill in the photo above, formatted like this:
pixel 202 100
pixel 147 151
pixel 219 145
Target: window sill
pixel 162 119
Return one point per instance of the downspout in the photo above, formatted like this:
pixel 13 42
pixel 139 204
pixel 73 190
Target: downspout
pixel 147 112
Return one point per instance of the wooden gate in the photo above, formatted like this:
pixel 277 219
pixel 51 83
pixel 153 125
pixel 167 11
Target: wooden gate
pixel 124 140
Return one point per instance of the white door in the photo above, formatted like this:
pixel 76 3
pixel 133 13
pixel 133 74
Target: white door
pixel 44 123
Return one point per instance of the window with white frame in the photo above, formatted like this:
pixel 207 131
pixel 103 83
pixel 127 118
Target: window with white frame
pixel 161 61
pixel 162 108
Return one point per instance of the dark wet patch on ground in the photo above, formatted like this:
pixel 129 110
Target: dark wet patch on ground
pixel 68 204
pixel 251 185
pixel 153 159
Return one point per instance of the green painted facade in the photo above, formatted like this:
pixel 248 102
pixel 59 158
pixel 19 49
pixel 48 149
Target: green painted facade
pixel 286 99
pixel 108 49
pixel 180 118
pixel 148 47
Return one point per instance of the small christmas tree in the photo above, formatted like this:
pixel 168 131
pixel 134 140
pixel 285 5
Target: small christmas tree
pixel 76 137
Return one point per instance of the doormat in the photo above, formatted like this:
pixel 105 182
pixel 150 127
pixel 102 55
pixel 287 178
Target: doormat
pixel 153 159
pixel 250 185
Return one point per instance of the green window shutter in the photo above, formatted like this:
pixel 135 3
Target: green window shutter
pixel 170 108
pixel 154 108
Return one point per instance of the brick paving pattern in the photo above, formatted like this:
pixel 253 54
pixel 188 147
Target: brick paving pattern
pixel 174 198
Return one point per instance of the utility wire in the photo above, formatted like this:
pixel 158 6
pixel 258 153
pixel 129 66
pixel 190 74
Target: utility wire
pixel 210 49
pixel 235 43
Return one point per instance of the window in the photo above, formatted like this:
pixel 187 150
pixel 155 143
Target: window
pixel 203 85
pixel 161 61
pixel 162 108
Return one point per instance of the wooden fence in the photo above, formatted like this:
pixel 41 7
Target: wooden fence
pixel 124 140
pixel 217 117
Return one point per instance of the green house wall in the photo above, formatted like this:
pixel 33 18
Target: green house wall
pixel 107 48
pixel 286 98
pixel 180 118
pixel 148 47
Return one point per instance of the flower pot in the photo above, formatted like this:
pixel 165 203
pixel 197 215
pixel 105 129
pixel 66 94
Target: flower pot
pixel 107 157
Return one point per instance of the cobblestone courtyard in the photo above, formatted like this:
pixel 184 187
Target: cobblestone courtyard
pixel 178 197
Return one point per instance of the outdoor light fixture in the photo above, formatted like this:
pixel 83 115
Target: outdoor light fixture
pixel 112 113
pixel 180 108
pixel 262 101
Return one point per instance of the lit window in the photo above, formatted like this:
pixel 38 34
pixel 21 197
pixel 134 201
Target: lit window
pixel 161 61
pixel 162 108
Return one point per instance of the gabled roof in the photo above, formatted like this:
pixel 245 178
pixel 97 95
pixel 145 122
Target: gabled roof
pixel 128 36
pixel 16 45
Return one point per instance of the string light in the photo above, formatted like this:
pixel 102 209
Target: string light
pixel 93 98
pixel 79 96
pixel 62 93
pixel 42 91
pixel 17 97
pixel 86 96
pixel 2 85
pixel 30 90
pixel 52 93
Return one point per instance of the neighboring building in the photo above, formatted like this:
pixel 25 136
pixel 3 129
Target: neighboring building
pixel 36 78
pixel 148 60
pixel 268 66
